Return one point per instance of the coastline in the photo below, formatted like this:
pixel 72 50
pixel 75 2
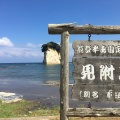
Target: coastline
pixel 49 96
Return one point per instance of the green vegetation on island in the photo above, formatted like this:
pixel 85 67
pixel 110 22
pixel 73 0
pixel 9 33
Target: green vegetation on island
pixel 51 45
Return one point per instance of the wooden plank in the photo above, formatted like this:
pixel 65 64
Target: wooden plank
pixel 96 93
pixel 64 75
pixel 94 112
pixel 96 70
pixel 82 29
pixel 96 48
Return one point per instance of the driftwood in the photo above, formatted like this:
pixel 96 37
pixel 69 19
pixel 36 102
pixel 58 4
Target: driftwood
pixel 93 112
pixel 82 29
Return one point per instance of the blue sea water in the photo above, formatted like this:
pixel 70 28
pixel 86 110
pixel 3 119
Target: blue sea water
pixel 31 73
pixel 28 80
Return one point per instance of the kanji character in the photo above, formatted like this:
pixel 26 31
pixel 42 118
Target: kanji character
pixel 109 94
pixel 88 72
pixel 111 49
pixel 95 48
pixel 87 49
pixel 103 49
pixel 80 49
pixel 86 94
pixel 106 71
pixel 95 94
pixel 117 49
pixel 117 95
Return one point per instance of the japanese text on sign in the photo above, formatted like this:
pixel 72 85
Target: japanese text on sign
pixel 96 48
pixel 105 72
pixel 95 94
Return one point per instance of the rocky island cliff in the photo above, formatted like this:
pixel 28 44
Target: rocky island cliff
pixel 51 53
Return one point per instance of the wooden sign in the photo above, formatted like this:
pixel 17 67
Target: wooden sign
pixel 96 71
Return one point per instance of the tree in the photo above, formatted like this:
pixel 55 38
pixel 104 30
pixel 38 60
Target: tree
pixel 51 45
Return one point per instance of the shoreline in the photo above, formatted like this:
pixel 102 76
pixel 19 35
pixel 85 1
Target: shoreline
pixel 49 95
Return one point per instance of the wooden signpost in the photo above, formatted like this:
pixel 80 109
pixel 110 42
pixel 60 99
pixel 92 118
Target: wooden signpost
pixel 96 70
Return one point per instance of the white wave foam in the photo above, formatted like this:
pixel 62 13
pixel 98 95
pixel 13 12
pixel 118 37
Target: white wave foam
pixel 10 97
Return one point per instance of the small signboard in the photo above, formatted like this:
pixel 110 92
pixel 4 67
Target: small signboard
pixel 96 71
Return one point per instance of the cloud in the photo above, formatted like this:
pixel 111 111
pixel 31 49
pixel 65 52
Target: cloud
pixel 19 53
pixel 31 45
pixel 4 41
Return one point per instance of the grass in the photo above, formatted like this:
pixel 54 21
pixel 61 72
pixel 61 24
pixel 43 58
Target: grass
pixel 36 109
pixel 26 109
pixel 54 111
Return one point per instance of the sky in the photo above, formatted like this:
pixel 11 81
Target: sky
pixel 24 24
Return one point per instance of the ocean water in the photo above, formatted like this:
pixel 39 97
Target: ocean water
pixel 31 73
pixel 28 80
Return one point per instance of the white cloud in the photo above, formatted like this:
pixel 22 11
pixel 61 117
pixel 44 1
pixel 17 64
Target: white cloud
pixel 10 52
pixel 31 45
pixel 6 42
pixel 20 52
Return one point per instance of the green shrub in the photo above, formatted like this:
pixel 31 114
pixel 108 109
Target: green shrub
pixel 51 45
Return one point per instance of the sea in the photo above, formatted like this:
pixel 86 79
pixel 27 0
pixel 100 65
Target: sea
pixel 31 73
pixel 29 79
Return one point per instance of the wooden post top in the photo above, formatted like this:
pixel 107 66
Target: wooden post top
pixel 82 29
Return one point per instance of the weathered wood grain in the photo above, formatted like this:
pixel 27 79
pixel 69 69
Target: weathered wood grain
pixel 82 29
pixel 64 75
pixel 94 112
